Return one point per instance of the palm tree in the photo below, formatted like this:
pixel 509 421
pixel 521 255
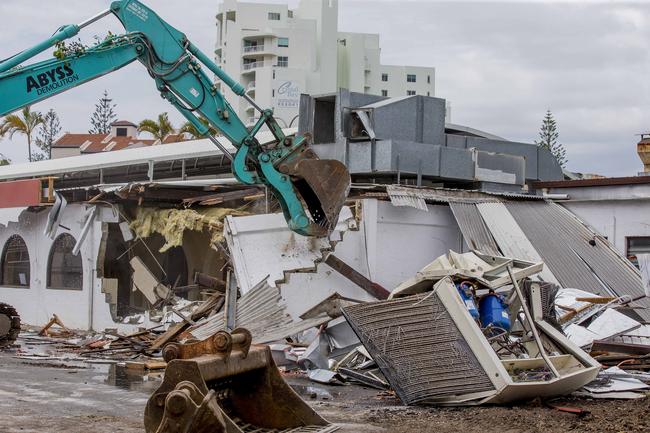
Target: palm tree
pixel 189 128
pixel 26 124
pixel 160 129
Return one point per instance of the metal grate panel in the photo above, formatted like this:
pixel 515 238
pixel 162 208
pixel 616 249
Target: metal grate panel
pixel 418 348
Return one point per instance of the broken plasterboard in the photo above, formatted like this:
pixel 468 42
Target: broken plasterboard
pixel 611 322
pixel 146 283
pixel 262 245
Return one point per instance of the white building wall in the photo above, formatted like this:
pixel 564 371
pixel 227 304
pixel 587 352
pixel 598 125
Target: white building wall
pixel 36 304
pixel 389 245
pixel 398 85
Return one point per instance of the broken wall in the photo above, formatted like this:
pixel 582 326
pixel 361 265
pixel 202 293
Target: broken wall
pixel 385 244
pixel 37 303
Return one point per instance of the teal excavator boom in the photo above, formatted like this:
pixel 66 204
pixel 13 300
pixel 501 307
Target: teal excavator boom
pixel 310 191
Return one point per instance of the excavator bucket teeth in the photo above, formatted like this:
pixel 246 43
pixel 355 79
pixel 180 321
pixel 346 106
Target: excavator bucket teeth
pixel 226 385
pixel 323 185
pixel 9 325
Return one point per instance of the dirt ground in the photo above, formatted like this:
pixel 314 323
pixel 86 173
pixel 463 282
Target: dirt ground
pixel 67 397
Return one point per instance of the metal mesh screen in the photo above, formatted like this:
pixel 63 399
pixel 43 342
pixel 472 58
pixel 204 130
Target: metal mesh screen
pixel 418 348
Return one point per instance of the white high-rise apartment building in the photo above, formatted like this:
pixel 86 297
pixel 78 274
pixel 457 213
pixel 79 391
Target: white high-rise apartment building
pixel 278 53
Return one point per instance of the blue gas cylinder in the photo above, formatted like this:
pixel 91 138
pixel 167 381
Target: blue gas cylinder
pixel 494 311
pixel 468 299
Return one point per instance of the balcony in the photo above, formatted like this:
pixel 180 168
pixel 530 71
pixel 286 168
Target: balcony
pixel 253 49
pixel 253 65
pixel 250 88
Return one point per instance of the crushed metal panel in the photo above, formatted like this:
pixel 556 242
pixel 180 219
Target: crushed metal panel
pixel 403 335
pixel 263 312
pixel 582 253
pixel 422 342
pixel 406 197
pixel 476 234
pixel 511 239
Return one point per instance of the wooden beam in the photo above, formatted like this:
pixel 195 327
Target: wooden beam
pixel 357 278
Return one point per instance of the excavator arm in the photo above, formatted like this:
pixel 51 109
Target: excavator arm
pixel 310 191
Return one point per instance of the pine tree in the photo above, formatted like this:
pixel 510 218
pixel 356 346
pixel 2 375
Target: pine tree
pixel 103 116
pixel 548 135
pixel 47 133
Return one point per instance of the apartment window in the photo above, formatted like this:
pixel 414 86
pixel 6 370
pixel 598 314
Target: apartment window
pixel 410 92
pixel 274 16
pixel 428 93
pixel 410 78
pixel 273 93
pixel 384 93
pixel 64 270
pixel 637 245
pixel 384 77
pixel 428 79
pixel 283 42
pixel 283 61
pixel 15 263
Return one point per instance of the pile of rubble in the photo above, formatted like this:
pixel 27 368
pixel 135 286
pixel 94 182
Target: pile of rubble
pixel 466 329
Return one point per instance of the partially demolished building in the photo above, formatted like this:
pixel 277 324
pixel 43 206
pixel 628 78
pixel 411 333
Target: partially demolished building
pixel 127 232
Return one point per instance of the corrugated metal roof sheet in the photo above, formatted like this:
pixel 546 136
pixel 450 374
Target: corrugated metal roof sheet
pixel 418 196
pixel 511 239
pixel 473 228
pixel 263 312
pixel 564 243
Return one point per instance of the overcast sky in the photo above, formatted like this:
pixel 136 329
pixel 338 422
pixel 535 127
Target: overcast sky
pixel 500 64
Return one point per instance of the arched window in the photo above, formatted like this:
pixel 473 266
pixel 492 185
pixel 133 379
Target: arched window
pixel 15 263
pixel 64 270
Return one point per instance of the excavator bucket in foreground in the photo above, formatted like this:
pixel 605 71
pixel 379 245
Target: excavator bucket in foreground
pixel 223 384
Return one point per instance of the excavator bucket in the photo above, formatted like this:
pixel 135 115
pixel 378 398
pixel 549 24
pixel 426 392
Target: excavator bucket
pixel 322 185
pixel 9 325
pixel 223 384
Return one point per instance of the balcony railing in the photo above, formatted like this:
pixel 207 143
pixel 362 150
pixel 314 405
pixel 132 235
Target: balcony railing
pixel 251 86
pixel 252 65
pixel 253 48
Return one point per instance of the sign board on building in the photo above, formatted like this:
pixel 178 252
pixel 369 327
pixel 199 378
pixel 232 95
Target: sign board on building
pixel 288 95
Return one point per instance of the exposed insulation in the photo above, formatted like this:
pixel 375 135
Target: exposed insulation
pixel 172 223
